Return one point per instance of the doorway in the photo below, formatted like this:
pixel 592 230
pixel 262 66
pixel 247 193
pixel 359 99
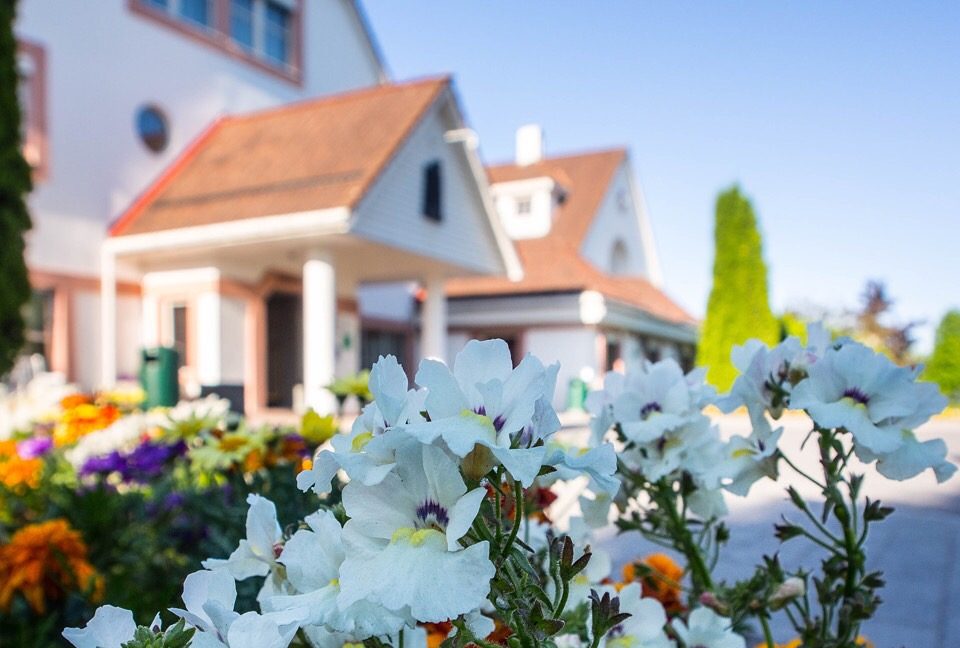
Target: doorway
pixel 284 348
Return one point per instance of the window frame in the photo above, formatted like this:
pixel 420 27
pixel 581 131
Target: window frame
pixel 218 34
pixel 34 123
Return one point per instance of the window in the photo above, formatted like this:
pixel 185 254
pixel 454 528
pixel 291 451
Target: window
pixel 179 313
pixel 524 206
pixel 432 191
pixel 241 23
pixel 152 128
pixel 619 258
pixel 277 34
pixel 38 317
pixel 31 93
pixel 266 33
pixel 196 11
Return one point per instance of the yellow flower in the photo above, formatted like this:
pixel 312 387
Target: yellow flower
pixel 796 643
pixel 81 417
pixel 15 471
pixel 45 561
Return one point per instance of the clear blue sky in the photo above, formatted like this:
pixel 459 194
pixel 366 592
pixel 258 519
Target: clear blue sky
pixel 840 119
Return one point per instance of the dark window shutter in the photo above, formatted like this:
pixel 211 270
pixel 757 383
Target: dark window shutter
pixel 431 191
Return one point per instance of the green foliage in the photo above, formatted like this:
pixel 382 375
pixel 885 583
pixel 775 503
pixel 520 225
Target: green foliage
pixel 792 324
pixel 177 636
pixel 15 184
pixel 943 366
pixel 738 308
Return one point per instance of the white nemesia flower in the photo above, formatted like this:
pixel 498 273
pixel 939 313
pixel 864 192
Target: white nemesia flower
pixel 644 628
pixel 659 398
pixel 762 371
pixel 749 458
pixel 707 629
pixel 599 464
pixel 209 597
pixel 312 558
pixel 911 458
pixel 256 555
pixel 367 453
pixel 402 540
pixel 600 402
pixel 860 390
pixel 110 627
pixel 485 401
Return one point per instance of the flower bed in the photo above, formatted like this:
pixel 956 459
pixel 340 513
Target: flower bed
pixel 429 523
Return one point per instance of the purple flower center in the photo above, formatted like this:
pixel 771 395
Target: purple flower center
pixel 856 395
pixel 432 515
pixel 498 422
pixel 649 409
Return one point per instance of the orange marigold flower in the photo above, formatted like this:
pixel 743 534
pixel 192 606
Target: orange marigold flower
pixel 82 419
pixel 796 643
pixel 437 632
pixel 15 471
pixel 659 577
pixel 45 561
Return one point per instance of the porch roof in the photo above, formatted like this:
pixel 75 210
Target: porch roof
pixel 306 156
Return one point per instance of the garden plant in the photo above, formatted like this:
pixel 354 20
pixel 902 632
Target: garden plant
pixel 430 520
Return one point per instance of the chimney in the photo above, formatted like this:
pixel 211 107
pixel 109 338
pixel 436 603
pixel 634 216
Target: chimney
pixel 529 144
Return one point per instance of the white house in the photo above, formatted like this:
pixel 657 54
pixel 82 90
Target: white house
pixel 250 248
pixel 240 180
pixel 590 296
pixel 113 92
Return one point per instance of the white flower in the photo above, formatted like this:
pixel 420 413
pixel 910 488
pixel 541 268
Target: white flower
pixel 367 452
pixel 110 627
pixel 402 540
pixel 860 390
pixel 600 405
pixel 123 434
pixel 657 399
pixel 485 401
pixel 256 555
pixel 198 414
pixel 707 629
pixel 209 597
pixel 764 374
pixel 644 628
pixel 599 464
pixel 911 458
pixel 747 459
pixel 312 558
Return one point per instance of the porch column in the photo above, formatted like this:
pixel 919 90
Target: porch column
pixel 319 326
pixel 433 321
pixel 108 318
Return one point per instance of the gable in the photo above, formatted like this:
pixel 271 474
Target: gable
pixel 614 241
pixel 392 211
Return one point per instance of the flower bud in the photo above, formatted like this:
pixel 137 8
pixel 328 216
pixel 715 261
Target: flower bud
pixel 787 591
pixel 478 463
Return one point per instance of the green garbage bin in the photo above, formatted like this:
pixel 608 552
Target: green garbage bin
pixel 576 394
pixel 158 377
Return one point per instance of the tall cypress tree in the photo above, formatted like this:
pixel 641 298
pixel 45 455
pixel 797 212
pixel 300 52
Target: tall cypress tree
pixel 15 184
pixel 943 367
pixel 738 308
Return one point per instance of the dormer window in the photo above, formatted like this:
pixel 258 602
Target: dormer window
pixel 432 191
pixel 524 206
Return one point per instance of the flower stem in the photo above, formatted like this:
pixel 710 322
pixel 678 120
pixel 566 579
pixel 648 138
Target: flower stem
pixel 517 519
pixel 767 635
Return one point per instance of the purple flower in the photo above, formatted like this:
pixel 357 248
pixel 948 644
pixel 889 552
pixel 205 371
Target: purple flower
pixel 35 447
pixel 102 465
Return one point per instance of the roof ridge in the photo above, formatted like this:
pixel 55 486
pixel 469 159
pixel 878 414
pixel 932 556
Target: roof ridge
pixel 564 156
pixel 340 97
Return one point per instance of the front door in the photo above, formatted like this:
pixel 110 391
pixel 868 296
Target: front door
pixel 284 348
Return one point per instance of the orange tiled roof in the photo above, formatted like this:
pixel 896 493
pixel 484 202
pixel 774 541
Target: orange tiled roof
pixel 553 263
pixel 309 155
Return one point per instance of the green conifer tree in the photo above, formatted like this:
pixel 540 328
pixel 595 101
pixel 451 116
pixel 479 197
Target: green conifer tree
pixel 738 308
pixel 943 367
pixel 15 184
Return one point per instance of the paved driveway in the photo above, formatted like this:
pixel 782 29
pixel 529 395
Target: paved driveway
pixel 916 547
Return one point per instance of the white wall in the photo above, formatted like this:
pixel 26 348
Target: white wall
pixel 618 218
pixel 104 62
pixel 85 338
pixel 389 301
pixel 391 211
pixel 232 340
pixel 575 348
